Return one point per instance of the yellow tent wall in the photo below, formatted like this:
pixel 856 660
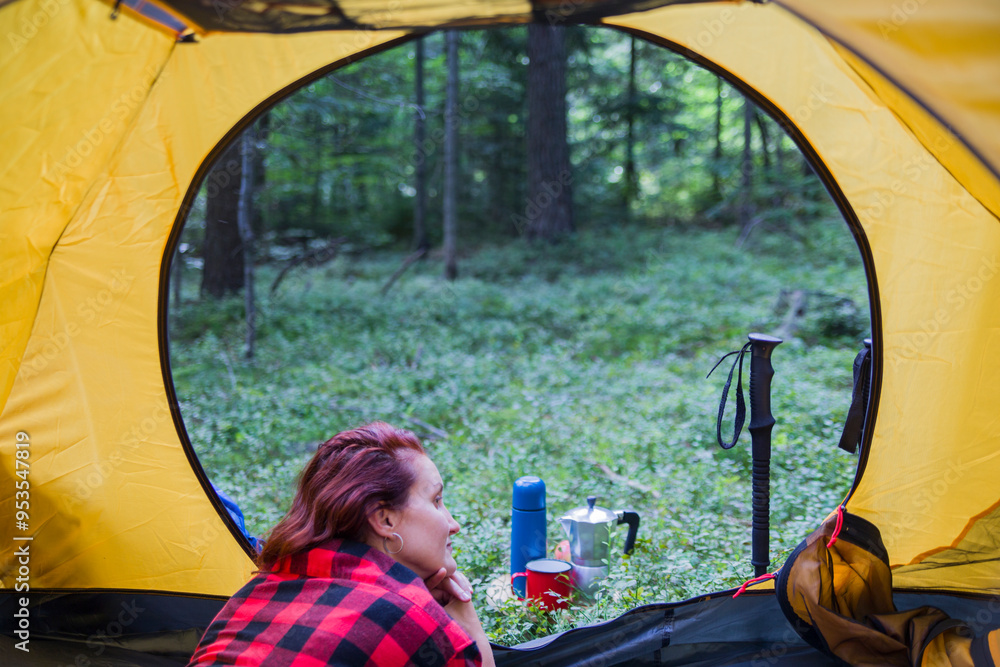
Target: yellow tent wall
pixel 114 501
pixel 934 64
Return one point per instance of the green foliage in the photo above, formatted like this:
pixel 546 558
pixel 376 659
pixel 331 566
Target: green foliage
pixel 553 361
pixel 339 158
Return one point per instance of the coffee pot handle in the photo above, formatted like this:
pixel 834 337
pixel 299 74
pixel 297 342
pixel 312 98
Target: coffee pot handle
pixel 632 519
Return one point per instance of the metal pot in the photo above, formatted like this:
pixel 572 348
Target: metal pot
pixel 589 531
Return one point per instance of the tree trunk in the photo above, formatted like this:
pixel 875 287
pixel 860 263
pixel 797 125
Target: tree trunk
pixel 244 216
pixel 262 132
pixel 717 167
pixel 779 168
pixel 499 176
pixel 420 241
pixel 549 210
pixel 177 275
pixel 746 182
pixel 765 141
pixel 317 162
pixel 451 158
pixel 316 196
pixel 631 178
pixel 222 251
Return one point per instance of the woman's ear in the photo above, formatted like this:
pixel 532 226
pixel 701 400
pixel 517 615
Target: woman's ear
pixel 383 521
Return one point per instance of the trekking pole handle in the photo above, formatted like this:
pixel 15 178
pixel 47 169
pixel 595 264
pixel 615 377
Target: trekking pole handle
pixel 632 519
pixel 761 423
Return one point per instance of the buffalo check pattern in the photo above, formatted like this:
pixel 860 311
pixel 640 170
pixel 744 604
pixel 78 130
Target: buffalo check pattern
pixel 341 603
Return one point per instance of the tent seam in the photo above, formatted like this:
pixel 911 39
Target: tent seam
pixel 69 221
pixel 905 89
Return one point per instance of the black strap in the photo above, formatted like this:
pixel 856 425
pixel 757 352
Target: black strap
pixel 939 629
pixel 741 407
pixel 980 650
pixel 855 423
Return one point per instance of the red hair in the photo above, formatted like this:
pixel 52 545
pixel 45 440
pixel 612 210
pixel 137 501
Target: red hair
pixel 352 474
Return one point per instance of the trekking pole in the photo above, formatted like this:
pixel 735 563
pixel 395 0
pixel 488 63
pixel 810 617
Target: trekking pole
pixel 761 423
pixel 760 346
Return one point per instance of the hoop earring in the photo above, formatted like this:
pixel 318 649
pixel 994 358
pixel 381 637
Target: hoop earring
pixel 385 544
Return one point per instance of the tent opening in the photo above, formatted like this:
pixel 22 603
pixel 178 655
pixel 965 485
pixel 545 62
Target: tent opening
pixel 581 362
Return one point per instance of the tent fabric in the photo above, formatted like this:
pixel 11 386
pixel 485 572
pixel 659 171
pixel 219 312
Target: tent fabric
pixel 108 127
pixel 114 501
pixel 836 590
pixel 952 104
pixel 119 627
pixel 711 630
pixel 720 630
pixel 311 15
pixel 157 16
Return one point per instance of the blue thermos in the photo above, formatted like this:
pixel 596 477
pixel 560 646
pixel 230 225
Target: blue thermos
pixel 527 526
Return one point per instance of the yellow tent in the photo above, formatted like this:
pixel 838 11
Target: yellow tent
pixel 107 126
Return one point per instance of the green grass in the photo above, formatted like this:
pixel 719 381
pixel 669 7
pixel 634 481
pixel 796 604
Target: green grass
pixel 549 361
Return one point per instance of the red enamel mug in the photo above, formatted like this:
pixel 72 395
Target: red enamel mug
pixel 549 584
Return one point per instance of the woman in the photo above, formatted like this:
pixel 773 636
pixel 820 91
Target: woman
pixel 358 570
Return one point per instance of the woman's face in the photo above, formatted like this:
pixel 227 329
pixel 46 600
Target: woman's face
pixel 425 524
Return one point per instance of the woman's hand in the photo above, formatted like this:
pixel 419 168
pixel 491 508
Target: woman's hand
pixel 454 593
pixel 464 613
pixel 445 587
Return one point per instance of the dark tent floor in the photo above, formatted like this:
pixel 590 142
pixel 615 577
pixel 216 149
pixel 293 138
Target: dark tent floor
pixel 710 630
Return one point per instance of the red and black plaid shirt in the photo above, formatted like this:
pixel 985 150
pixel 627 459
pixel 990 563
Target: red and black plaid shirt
pixel 342 603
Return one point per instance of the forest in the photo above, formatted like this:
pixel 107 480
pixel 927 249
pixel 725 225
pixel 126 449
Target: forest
pixel 529 246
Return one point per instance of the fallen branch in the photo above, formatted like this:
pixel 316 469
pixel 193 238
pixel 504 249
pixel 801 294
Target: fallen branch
pixel 229 369
pixel 622 479
pixel 793 315
pixel 315 257
pixel 433 430
pixel 745 232
pixel 413 257
pixel 348 408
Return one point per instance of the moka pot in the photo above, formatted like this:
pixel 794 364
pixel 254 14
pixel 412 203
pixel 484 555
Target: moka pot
pixel 589 532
